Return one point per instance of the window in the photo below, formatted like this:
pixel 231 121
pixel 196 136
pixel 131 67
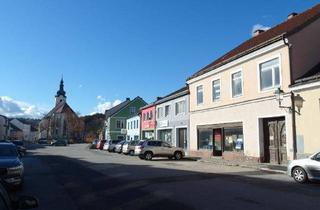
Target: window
pixel 128 125
pixel 166 110
pixel 180 107
pixel 151 115
pixel 144 117
pixel 131 126
pixel 205 138
pixel 160 112
pixel 236 84
pixel 165 135
pixel 132 110
pixel 118 124
pixel 199 95
pixel 233 139
pixel 216 90
pixel 269 74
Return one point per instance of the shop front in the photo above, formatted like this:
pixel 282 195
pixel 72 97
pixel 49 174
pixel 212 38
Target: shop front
pixel 221 139
pixel 166 135
pixel 148 134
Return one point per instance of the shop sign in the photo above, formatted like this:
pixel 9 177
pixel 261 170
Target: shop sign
pixel 163 123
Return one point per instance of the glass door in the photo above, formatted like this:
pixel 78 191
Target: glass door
pixel 217 141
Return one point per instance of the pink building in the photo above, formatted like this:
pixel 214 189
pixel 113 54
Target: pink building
pixel 148 121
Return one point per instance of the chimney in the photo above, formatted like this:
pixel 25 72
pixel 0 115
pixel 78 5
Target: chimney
pixel 291 15
pixel 127 99
pixel 257 32
pixel 158 98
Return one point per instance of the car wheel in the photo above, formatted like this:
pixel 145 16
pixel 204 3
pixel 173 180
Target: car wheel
pixel 178 155
pixel 299 175
pixel 131 152
pixel 148 156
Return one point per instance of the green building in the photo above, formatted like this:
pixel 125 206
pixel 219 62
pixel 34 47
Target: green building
pixel 116 117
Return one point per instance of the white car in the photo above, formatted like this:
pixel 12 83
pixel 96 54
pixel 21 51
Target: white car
pixel 137 148
pixel 306 169
pixel 106 145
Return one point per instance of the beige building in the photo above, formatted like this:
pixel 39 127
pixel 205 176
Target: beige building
pixel 308 119
pixel 233 110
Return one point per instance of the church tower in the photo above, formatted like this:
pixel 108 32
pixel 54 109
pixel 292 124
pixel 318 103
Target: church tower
pixel 61 94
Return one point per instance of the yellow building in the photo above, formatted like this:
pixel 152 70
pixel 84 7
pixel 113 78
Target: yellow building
pixel 308 119
pixel 233 110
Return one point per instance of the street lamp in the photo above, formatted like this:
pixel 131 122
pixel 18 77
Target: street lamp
pixel 297 101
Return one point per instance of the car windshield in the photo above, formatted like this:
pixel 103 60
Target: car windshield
pixel 8 152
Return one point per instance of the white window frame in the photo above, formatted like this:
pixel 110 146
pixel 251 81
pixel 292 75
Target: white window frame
pixel 280 72
pixel 198 104
pixel 215 79
pixel 160 108
pixel 185 107
pixel 231 73
pixel 168 110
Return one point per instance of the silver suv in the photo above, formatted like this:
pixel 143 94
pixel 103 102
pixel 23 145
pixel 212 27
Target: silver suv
pixel 155 148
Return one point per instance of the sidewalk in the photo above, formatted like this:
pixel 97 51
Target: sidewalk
pixel 282 169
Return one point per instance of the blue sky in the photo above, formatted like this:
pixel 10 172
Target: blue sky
pixel 108 50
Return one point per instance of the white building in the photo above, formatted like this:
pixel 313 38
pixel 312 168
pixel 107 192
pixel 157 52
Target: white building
pixel 133 128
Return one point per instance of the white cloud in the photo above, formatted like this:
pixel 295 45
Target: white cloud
pixel 104 105
pixel 259 26
pixel 80 86
pixel 14 108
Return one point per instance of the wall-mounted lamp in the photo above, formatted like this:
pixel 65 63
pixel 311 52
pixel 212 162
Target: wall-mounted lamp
pixel 297 101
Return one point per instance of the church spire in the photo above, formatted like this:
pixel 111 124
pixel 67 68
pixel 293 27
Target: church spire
pixel 61 91
pixel 61 94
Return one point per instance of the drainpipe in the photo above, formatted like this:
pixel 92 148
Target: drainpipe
pixel 293 107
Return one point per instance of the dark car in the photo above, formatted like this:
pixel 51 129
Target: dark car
pixel 11 166
pixel 43 141
pixel 21 202
pixel 20 146
pixel 60 142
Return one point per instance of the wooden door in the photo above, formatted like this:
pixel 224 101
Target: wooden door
pixel 275 144
pixel 183 142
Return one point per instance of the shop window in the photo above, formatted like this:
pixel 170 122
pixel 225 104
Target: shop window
pixel 205 138
pixel 165 135
pixel 233 139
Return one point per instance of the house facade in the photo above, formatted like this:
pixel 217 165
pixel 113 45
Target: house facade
pixel 172 118
pixel 116 118
pixel 133 128
pixel 4 127
pixel 308 119
pixel 148 121
pixel 233 111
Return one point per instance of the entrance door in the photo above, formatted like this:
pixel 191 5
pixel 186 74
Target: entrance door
pixel 182 136
pixel 275 145
pixel 217 142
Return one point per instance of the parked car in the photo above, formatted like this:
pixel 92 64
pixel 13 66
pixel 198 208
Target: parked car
pixel 106 145
pixel 43 141
pixel 60 142
pixel 100 144
pixel 306 169
pixel 118 147
pixel 129 146
pixel 138 147
pixel 20 146
pixel 94 144
pixel 21 202
pixel 155 148
pixel 112 145
pixel 11 166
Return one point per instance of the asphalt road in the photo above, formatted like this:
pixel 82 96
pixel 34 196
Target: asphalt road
pixel 74 177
